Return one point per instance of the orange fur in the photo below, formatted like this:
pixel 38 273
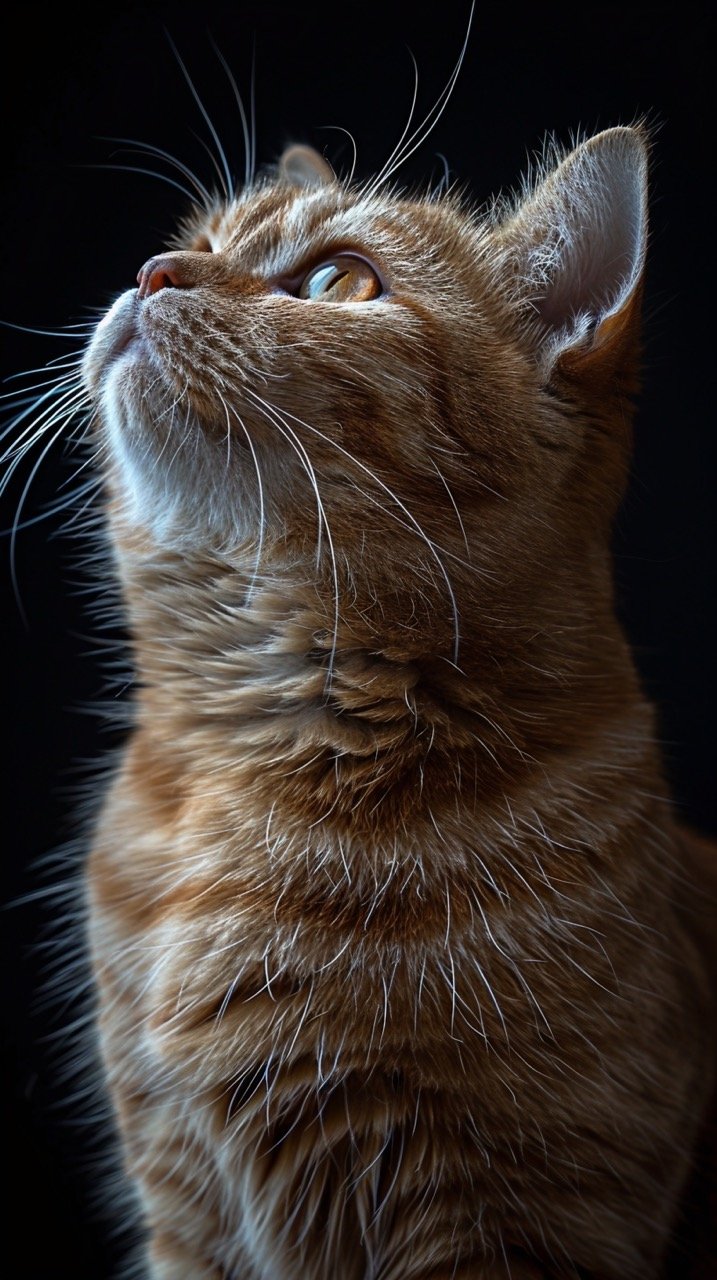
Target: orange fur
pixel 388 912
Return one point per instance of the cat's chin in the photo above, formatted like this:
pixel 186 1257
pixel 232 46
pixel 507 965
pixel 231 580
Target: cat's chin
pixel 116 337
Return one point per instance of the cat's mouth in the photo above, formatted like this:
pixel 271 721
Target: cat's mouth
pixel 129 338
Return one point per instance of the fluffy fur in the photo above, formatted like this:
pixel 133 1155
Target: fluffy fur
pixel 387 907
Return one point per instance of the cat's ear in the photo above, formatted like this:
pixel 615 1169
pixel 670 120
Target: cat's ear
pixel 303 167
pixel 576 250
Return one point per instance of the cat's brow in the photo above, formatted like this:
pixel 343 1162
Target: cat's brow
pixel 276 234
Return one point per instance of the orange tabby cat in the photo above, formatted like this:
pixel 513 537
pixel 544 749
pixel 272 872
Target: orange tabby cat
pixel 386 903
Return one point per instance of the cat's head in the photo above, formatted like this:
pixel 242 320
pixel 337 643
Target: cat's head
pixel 317 364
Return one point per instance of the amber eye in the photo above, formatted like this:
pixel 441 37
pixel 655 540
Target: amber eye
pixel 344 278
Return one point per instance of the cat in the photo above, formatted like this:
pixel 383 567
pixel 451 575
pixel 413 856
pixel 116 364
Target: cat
pixel 390 920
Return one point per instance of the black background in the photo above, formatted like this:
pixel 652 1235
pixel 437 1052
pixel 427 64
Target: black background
pixel 75 235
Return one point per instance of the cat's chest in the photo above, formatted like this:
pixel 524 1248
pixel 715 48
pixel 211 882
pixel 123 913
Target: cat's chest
pixel 208 928
pixel 234 945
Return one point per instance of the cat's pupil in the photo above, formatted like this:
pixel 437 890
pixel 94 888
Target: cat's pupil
pixel 321 280
pixel 347 278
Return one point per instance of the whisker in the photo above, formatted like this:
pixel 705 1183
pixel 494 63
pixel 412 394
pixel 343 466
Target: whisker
pixel 187 432
pixel 35 386
pixel 150 149
pixel 16 522
pixel 87 426
pixel 49 333
pixel 38 424
pixel 402 507
pixel 379 176
pixel 280 421
pixel 443 185
pixel 459 518
pixel 248 148
pixel 430 120
pixel 147 173
pixel 227 181
pixel 215 165
pixel 69 499
pixel 339 129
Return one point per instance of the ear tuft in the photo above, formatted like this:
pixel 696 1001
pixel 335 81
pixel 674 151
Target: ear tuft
pixel 577 242
pixel 302 166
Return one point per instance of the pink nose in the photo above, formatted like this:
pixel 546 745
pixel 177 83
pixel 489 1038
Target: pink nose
pixel 164 272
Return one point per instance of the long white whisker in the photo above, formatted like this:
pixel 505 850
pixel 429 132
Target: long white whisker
pixel 430 120
pixel 39 423
pixel 34 429
pixel 279 421
pixel 147 173
pixel 459 518
pixel 339 129
pixel 170 434
pixel 56 381
pixel 272 414
pixel 172 409
pixel 88 461
pixel 90 486
pixel 150 149
pixel 227 181
pixel 23 496
pixel 214 163
pixel 443 185
pixel 380 175
pixel 248 150
pixel 402 507
pixel 49 333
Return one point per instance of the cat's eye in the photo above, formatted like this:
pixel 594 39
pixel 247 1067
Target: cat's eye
pixel 345 278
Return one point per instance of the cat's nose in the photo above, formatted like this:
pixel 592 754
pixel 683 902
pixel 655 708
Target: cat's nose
pixel 168 271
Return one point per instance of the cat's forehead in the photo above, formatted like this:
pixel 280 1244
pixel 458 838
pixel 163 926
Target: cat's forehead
pixel 274 228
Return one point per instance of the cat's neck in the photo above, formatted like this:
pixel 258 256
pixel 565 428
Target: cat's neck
pixel 355 701
pixel 344 780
